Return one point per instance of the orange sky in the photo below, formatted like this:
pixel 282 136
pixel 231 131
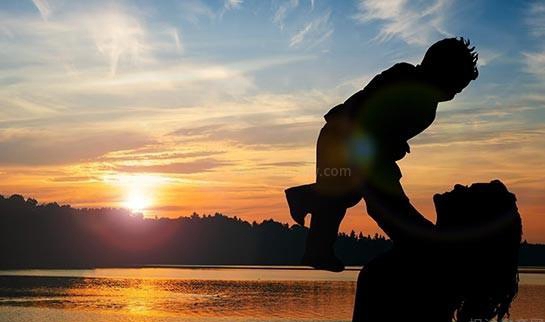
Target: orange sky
pixel 248 181
pixel 178 107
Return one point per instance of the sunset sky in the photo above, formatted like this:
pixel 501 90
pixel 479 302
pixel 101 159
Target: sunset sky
pixel 170 107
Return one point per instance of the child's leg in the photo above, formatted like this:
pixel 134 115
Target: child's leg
pixel 324 228
pixel 334 192
pixel 331 173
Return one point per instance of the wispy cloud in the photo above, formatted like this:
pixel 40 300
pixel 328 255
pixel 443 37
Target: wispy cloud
pixel 300 36
pixel 307 28
pixel 119 37
pixel 190 167
pixel 535 64
pixel 233 4
pixel 414 22
pixel 144 73
pixel 113 36
pixel 44 8
pixel 194 10
pixel 536 18
pixel 51 148
pixel 535 60
pixel 488 56
pixel 269 135
pixel 177 39
pixel 282 12
pixel 314 32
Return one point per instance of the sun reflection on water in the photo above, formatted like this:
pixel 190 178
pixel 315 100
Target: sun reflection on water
pixel 171 294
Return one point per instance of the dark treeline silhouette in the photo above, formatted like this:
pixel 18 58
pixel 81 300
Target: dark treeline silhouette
pixel 36 235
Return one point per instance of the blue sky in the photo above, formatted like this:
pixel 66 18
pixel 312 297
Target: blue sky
pixel 193 99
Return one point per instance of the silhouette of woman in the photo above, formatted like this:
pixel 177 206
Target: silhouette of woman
pixel 466 268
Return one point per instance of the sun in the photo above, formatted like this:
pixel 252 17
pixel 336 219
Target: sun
pixel 139 191
pixel 137 201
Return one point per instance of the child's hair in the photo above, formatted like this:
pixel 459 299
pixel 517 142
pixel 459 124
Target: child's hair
pixel 453 56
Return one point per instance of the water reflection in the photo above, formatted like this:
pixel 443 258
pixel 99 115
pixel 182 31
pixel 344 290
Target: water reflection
pixel 196 298
pixel 146 296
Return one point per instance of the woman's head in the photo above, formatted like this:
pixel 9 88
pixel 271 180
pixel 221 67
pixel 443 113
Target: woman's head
pixel 488 206
pixel 484 227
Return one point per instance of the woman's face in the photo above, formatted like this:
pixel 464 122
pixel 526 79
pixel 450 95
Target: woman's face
pixel 452 206
pixel 468 204
pixel 447 205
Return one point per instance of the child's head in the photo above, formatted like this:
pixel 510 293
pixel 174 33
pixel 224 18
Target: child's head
pixel 450 64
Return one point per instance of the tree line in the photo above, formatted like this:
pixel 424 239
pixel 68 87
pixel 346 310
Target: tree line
pixel 34 235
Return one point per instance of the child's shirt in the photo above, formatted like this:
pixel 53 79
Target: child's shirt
pixel 393 108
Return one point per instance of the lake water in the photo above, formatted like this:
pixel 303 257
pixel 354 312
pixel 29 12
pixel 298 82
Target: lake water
pixel 201 294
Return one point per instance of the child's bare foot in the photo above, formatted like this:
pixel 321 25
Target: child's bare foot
pixel 298 202
pixel 324 262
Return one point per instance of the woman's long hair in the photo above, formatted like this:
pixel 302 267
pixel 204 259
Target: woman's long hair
pixel 485 228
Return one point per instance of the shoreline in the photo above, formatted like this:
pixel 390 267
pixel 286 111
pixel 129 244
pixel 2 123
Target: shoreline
pixel 522 269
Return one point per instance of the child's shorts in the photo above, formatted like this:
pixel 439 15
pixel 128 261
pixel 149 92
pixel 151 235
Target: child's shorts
pixel 347 159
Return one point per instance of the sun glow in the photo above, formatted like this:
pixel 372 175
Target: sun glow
pixel 138 201
pixel 139 190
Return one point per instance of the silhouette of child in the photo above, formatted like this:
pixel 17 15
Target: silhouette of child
pixel 363 137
